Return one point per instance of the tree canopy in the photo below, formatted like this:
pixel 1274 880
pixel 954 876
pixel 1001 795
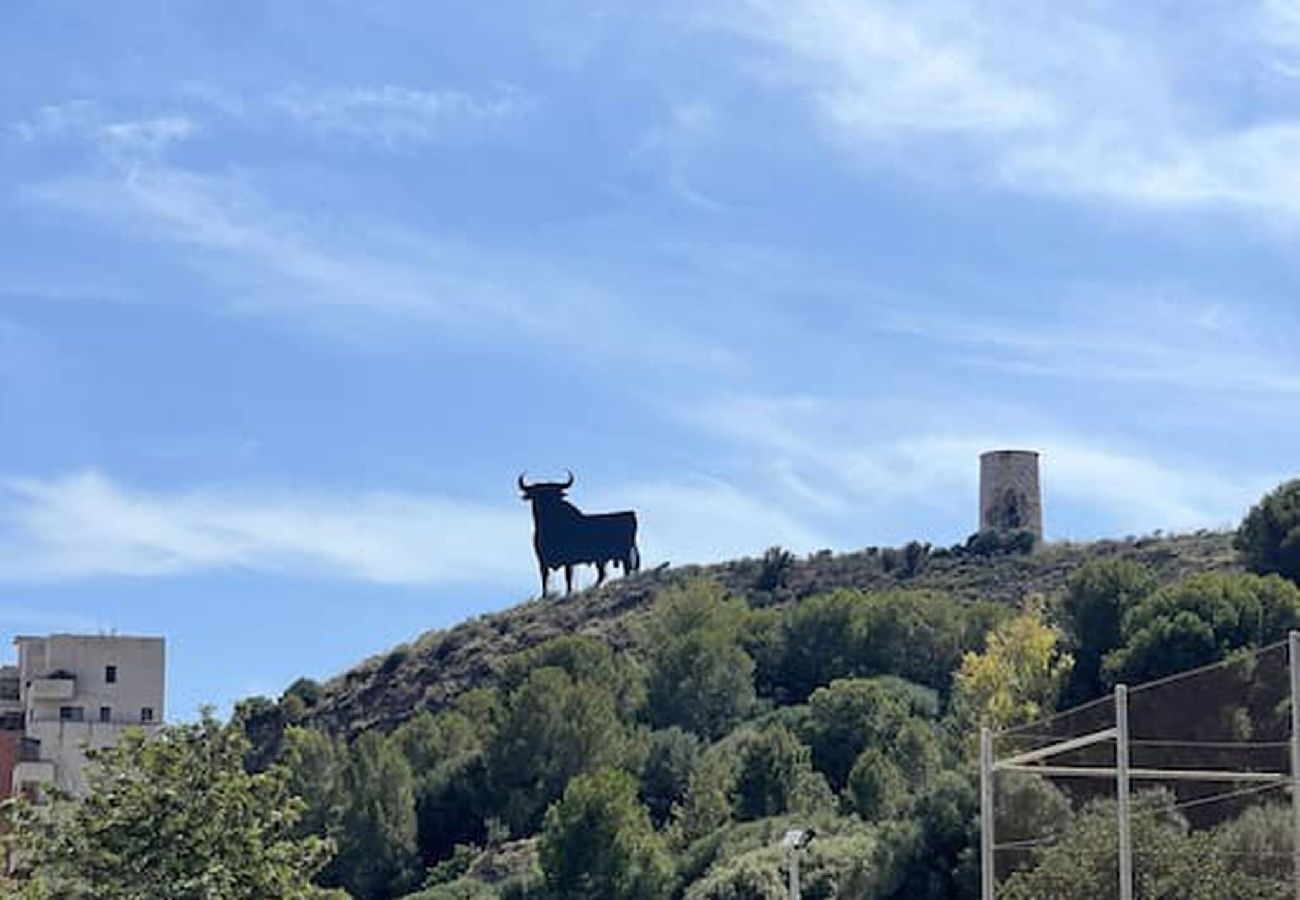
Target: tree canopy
pixel 172 816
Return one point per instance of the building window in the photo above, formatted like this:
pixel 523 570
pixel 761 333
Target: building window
pixel 146 714
pixel 106 714
pixel 110 674
pixel 72 714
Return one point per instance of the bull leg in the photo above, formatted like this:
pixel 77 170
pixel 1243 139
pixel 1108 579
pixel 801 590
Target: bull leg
pixel 546 577
pixel 600 573
pixel 568 580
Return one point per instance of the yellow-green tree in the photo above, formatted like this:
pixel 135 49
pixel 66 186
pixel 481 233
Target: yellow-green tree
pixel 1019 675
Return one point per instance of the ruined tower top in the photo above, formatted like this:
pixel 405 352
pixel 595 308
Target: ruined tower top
pixel 1010 495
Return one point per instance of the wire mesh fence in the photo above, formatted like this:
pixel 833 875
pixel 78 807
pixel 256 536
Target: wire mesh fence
pixel 1209 771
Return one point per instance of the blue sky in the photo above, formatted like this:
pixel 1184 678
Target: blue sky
pixel 289 293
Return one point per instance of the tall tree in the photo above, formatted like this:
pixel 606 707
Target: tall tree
pixel 445 753
pixel 1019 675
pixel 377 834
pixel 774 775
pixel 555 727
pixel 598 843
pixel 1269 536
pixel 670 759
pixel 1201 619
pixel 312 761
pixel 849 714
pixel 1096 600
pixel 701 678
pixel 174 816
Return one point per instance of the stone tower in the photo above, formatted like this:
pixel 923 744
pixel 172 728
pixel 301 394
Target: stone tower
pixel 1010 496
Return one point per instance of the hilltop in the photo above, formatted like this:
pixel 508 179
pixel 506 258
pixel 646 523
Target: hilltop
pixel 434 668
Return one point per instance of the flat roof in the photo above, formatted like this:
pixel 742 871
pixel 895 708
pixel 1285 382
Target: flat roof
pixel 88 637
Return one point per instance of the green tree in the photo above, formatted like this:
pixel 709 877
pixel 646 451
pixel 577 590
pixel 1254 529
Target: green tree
pixel 940 863
pixel 263 721
pixel 1259 840
pixel 1269 537
pixel 173 816
pixel 555 727
pixel 377 834
pixel 851 713
pixel 598 843
pixel 670 759
pixel 916 635
pixel 445 753
pixel 1175 864
pixel 1029 808
pixel 707 805
pixel 701 678
pixel 1201 619
pixel 1096 600
pixel 877 786
pixel 311 759
pixel 819 643
pixel 752 876
pixel 583 658
pixel 773 774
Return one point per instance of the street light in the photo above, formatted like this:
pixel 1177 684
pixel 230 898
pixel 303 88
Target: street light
pixel 796 840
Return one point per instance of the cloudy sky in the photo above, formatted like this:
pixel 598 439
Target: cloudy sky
pixel 290 293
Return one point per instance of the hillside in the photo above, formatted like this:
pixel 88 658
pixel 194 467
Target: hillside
pixel 437 666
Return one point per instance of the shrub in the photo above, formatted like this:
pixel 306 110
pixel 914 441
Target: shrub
pixel 774 569
pixel 1001 542
pixel 1269 536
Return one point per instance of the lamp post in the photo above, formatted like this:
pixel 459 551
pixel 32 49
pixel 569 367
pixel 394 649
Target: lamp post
pixel 794 842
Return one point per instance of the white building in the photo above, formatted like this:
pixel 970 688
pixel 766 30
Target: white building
pixel 81 691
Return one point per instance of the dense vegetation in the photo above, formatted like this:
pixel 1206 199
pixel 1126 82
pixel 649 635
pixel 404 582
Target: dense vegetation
pixel 662 751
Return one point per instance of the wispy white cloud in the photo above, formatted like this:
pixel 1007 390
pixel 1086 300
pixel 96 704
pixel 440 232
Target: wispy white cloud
pixel 1083 101
pixel 353 282
pixel 708 520
pixel 86 525
pixel 672 145
pixel 394 115
pixel 81 120
pixel 875 69
pixel 857 471
pixel 1135 336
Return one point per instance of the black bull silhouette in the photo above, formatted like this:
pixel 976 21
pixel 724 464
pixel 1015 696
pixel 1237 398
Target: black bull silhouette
pixel 564 536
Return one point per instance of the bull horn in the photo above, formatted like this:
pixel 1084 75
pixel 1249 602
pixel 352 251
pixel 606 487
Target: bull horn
pixel 569 483
pixel 522 486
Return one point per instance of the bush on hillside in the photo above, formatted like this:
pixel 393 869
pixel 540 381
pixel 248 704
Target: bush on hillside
pixel 1199 620
pixel 1269 536
pixel 1001 542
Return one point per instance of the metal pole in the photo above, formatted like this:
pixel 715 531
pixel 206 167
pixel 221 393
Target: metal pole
pixel 988 884
pixel 794 874
pixel 1294 646
pixel 1122 793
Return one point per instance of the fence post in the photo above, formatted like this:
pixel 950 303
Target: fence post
pixel 1122 793
pixel 1293 643
pixel 987 874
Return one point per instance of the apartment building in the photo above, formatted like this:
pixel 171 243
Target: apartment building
pixel 76 692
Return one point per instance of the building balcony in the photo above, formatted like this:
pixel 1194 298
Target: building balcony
pixel 52 689
pixel 37 772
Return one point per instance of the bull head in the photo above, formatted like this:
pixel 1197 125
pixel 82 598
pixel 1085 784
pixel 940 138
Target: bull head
pixel 528 490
